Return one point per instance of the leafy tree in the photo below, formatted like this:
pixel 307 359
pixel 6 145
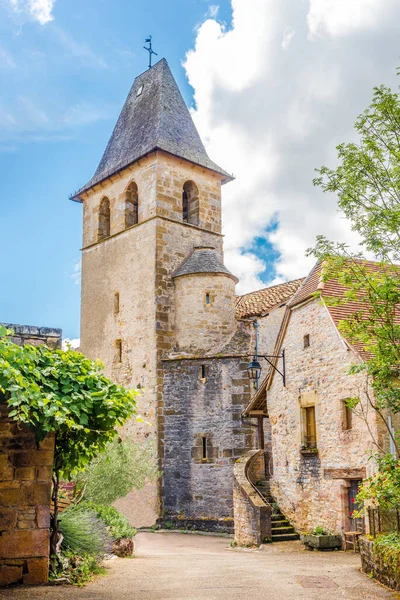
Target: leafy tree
pixel 64 393
pixel 367 182
pixel 123 465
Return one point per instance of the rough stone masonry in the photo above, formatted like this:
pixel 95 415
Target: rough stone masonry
pixel 25 486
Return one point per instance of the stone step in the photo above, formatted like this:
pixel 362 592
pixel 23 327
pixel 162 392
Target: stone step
pixel 282 530
pixel 278 522
pixel 278 517
pixel 285 537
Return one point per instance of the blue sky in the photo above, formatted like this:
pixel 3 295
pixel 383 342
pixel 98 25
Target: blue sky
pixel 275 85
pixel 62 86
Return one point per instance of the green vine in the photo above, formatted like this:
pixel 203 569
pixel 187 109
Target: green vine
pixel 66 394
pixel 387 548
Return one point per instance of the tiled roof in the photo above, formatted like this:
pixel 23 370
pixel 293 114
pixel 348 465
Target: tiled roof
pixel 332 288
pixel 260 302
pixel 203 260
pixel 154 116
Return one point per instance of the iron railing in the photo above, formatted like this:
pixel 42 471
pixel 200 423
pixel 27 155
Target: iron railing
pixel 383 520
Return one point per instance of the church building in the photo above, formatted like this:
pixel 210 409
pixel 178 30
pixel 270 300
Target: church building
pixel 159 307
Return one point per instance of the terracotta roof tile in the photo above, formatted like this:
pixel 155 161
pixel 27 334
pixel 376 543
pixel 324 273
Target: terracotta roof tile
pixel 260 302
pixel 332 288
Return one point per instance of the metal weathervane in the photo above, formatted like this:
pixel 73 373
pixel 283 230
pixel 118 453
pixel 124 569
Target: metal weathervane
pixel 149 49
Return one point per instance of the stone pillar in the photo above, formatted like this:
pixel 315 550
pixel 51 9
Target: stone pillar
pixel 25 487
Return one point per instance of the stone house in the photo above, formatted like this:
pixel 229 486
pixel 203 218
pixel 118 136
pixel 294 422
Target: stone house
pixel 320 449
pixel 159 306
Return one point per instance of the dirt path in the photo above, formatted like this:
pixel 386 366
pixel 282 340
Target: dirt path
pixel 171 566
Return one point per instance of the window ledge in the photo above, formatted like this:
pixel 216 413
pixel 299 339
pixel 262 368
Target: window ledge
pixel 309 451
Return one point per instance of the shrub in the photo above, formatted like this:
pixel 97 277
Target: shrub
pixel 84 534
pixel 117 524
pixel 319 530
pixel 122 466
pixel 78 570
pixel 387 547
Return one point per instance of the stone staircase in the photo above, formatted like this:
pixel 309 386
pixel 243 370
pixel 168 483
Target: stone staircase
pixel 281 529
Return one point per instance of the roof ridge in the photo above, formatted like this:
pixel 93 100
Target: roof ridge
pixel 271 287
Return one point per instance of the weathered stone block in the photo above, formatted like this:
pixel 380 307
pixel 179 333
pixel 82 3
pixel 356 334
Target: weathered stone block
pixel 8 518
pixel 38 571
pixel 24 543
pixel 6 473
pixel 43 516
pixel 10 574
pixel 25 473
pixel 27 458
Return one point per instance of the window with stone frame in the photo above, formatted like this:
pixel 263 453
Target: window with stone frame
pixel 131 205
pixel 309 427
pixel 203 450
pixel 190 203
pixel 116 303
pixel 118 351
pixel 104 224
pixel 306 341
pixel 203 373
pixel 347 416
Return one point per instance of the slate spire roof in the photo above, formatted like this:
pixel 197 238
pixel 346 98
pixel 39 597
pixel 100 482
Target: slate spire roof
pixel 154 116
pixel 203 260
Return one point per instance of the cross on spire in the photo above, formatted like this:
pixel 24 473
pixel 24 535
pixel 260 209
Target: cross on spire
pixel 149 49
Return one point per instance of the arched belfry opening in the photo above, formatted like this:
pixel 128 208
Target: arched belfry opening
pixel 104 220
pixel 131 205
pixel 190 203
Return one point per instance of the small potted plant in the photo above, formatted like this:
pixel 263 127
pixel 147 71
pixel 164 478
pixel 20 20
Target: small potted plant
pixel 321 539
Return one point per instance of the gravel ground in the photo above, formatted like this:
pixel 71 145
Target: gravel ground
pixel 172 566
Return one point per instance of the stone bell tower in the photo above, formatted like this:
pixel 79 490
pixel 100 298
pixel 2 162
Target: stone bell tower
pixel 155 196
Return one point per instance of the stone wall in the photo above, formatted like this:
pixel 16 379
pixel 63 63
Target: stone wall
pixel 252 516
pixel 25 487
pixel 202 326
pixel 371 563
pixel 311 488
pixel 27 334
pixel 137 264
pixel 197 409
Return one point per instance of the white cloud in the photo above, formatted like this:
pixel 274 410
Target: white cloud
pixel 6 59
pixel 73 343
pixel 76 272
pixel 213 10
pixel 341 17
pixel 80 50
pixel 287 37
pixel 37 10
pixel 271 106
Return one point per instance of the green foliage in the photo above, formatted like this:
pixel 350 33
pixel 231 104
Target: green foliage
pixel 78 570
pixel 66 393
pixel 375 325
pixel 319 530
pixel 367 182
pixel 117 524
pixel 367 179
pixel 84 534
pixel 383 488
pixel 122 466
pixel 387 547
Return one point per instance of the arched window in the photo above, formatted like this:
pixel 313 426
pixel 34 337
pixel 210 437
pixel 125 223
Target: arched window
pixel 190 203
pixel 104 219
pixel 131 205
